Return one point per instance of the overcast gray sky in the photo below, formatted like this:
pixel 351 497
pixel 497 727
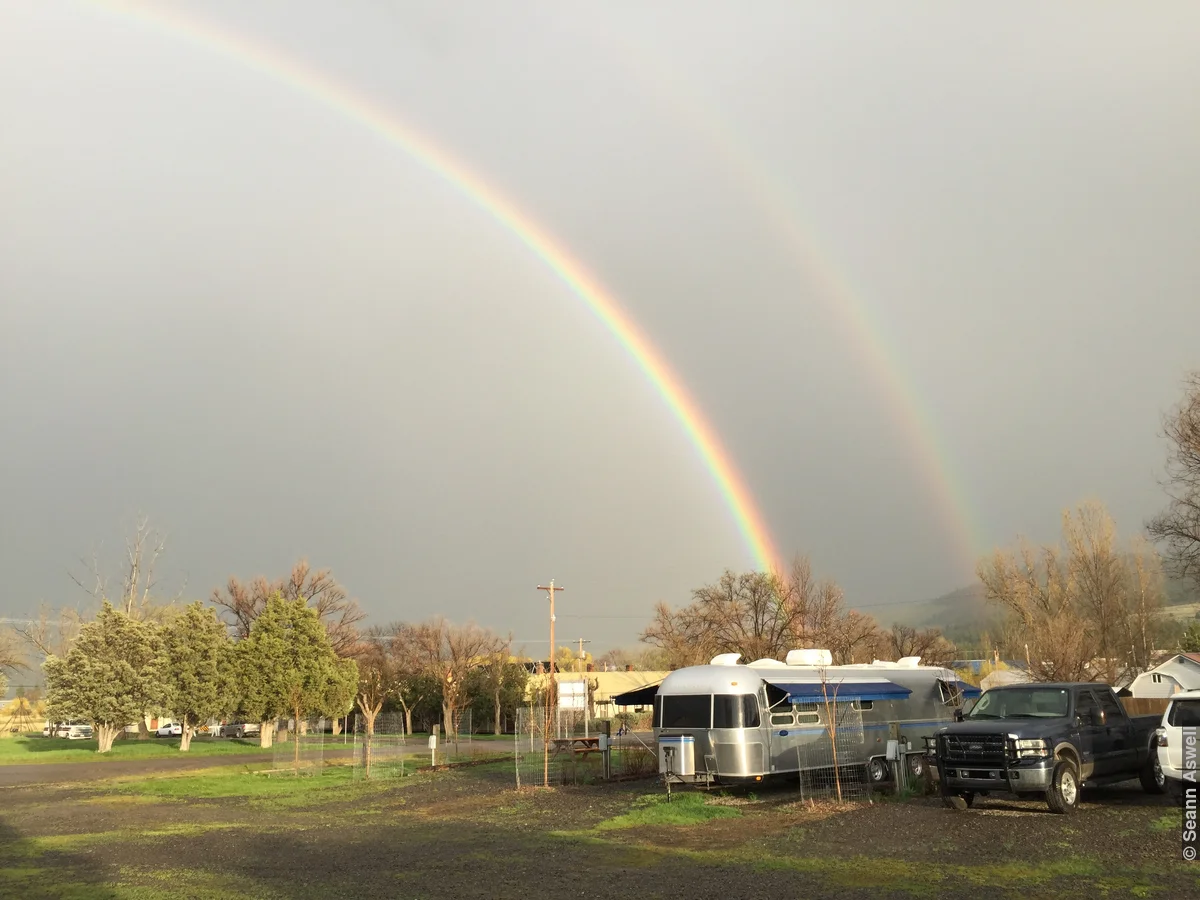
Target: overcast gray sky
pixel 225 305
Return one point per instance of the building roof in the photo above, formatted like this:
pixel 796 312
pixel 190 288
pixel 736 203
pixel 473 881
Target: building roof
pixel 609 684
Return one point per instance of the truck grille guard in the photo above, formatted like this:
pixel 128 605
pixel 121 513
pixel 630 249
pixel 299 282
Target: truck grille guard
pixel 956 750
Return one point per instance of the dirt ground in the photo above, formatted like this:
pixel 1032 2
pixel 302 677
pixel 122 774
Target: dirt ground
pixel 468 834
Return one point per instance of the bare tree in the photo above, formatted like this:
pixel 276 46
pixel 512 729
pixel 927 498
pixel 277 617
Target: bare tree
pixel 1178 527
pixel 12 655
pixel 376 684
pixel 242 603
pixel 1080 609
pixel 760 615
pixel 137 597
pixel 447 651
pixel 51 632
pixel 928 643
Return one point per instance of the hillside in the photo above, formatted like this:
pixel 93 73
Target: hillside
pixel 964 611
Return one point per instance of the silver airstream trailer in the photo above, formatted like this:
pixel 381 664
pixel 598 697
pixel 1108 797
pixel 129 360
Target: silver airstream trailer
pixel 734 723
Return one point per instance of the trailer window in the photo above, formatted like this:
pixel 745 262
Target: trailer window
pixel 783 719
pixel 951 694
pixel 862 704
pixel 1184 714
pixel 750 711
pixel 687 711
pixel 808 718
pixel 727 711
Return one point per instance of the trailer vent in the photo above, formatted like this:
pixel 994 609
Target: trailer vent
pixel 809 658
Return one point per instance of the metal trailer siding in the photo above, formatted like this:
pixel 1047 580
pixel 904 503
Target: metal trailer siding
pixel 775 749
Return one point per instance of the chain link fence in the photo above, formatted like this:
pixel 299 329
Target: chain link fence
pixel 391 751
pixel 300 750
pixel 831 754
pixel 557 746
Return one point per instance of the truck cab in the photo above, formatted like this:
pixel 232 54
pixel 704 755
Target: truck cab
pixel 1045 739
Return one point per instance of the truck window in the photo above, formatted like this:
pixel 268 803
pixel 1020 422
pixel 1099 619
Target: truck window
pixel 687 711
pixel 1021 703
pixel 1085 707
pixel 1184 714
pixel 1111 706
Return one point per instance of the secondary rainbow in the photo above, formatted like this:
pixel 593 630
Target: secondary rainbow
pixel 355 106
pixel 865 332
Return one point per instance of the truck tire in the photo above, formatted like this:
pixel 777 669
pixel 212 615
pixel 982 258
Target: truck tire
pixel 1152 777
pixel 1063 796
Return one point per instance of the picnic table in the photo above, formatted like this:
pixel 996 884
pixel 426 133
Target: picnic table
pixel 581 746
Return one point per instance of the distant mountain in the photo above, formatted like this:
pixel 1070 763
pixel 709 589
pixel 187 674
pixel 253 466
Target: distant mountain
pixel 965 611
pixel 962 610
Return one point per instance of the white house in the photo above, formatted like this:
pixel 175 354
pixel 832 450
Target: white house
pixel 1180 672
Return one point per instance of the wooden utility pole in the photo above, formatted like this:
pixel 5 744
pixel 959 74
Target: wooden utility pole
pixel 581 642
pixel 551 695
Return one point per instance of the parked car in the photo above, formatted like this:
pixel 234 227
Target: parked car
pixel 238 729
pixel 1046 740
pixel 1182 712
pixel 79 733
pixel 173 729
pixel 63 729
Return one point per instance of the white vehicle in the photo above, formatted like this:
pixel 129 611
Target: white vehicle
pixel 79 733
pixel 64 729
pixel 1182 712
pixel 173 729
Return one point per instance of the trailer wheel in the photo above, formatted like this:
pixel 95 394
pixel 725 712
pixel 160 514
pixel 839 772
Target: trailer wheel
pixel 877 770
pixel 1063 796
pixel 1152 777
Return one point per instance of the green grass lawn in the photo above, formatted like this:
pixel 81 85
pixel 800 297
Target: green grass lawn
pixel 27 749
pixel 280 786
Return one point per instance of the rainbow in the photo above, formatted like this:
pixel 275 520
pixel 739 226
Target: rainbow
pixel 912 415
pixel 352 105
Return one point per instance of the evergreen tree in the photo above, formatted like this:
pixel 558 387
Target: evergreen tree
pixel 1189 641
pixel 109 676
pixel 287 665
pixel 198 681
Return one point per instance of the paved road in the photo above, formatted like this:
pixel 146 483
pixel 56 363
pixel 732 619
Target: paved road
pixel 86 770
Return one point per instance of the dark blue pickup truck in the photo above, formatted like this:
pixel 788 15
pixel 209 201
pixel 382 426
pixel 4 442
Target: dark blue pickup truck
pixel 1045 739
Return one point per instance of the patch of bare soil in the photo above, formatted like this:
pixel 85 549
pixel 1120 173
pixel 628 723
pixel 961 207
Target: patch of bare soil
pixel 454 835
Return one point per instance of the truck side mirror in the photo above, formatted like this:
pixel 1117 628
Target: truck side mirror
pixel 958 715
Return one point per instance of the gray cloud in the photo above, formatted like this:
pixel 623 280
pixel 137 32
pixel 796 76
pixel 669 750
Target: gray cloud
pixel 226 306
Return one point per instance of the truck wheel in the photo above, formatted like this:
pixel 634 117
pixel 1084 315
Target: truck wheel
pixel 1063 796
pixel 959 801
pixel 1152 777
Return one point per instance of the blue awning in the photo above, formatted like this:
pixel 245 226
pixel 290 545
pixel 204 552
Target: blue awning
pixel 969 691
pixel 815 691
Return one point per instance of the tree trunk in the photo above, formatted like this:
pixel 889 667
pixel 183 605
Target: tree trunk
pixel 185 738
pixel 296 745
pixel 266 734
pixel 143 729
pixel 106 733
pixel 496 729
pixel 337 725
pixel 407 718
